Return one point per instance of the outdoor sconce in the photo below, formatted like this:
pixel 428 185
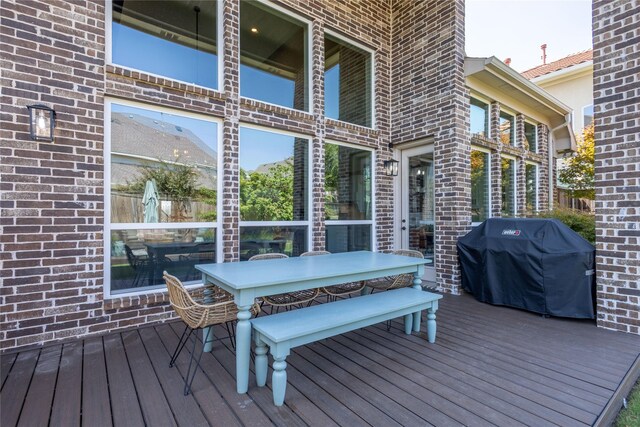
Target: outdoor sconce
pixel 390 167
pixel 42 121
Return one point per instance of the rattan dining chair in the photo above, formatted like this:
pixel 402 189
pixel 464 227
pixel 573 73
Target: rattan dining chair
pixel 200 308
pixel 288 299
pixel 337 291
pixel 394 282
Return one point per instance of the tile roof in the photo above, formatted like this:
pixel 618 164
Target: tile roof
pixel 566 62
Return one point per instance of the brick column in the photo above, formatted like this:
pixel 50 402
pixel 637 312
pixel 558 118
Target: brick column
pixel 231 132
pixel 496 183
pixel 544 173
pixel 518 140
pixel 521 187
pixel 617 175
pixel 317 100
pixel 494 121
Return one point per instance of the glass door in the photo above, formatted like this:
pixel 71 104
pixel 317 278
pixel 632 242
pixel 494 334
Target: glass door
pixel 418 204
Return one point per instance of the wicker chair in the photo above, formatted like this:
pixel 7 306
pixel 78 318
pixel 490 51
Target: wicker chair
pixel 289 299
pixel 200 308
pixel 394 282
pixel 333 292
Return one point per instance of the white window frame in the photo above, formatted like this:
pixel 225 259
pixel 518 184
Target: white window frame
pixel 372 221
pixel 487 101
pixel 535 133
pixel 307 58
pixel 537 185
pixel 372 88
pixel 489 189
pixel 515 183
pixel 309 221
pixel 108 226
pixel 220 50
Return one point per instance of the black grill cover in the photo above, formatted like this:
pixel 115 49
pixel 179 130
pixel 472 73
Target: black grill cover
pixel 540 265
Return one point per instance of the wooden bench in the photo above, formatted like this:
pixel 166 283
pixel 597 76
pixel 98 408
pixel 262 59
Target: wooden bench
pixel 284 331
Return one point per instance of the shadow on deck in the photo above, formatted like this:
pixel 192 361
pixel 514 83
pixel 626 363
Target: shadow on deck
pixel 489 366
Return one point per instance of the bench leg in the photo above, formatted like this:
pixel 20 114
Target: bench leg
pixel 417 284
pixel 261 363
pixel 279 380
pixel 431 325
pixel 408 323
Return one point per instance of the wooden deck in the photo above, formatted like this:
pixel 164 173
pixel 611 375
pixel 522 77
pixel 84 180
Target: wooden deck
pixel 489 366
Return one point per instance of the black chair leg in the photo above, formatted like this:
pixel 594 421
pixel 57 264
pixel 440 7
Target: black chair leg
pixel 232 335
pixel 180 346
pixel 388 325
pixel 188 381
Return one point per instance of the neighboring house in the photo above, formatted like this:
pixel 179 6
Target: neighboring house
pixel 338 88
pixel 570 80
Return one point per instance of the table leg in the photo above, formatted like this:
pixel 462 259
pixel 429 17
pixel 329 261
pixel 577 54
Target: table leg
pixel 417 284
pixel 243 348
pixel 207 332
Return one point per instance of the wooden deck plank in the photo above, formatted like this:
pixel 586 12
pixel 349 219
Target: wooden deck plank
pixel 435 376
pixel 209 399
pixel 6 363
pixel 38 401
pixel 153 403
pixel 184 408
pixel 96 407
pixel 124 399
pixel 68 395
pixel 18 382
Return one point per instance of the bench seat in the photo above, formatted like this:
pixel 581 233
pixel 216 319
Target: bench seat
pixel 283 331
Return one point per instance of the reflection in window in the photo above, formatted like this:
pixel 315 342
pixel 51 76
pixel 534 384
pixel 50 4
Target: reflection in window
pixel 139 256
pixel 289 240
pixel 479 118
pixel 530 137
pixel 421 221
pixel 273 57
pixel 347 183
pixel 587 115
pixel 177 40
pixel 479 186
pixel 347 238
pixel 531 178
pixel 508 187
pixel 163 170
pixel 347 86
pixel 273 176
pixel 507 126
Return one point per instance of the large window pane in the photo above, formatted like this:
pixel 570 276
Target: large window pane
pixel 479 118
pixel 347 238
pixel 347 86
pixel 163 167
pixel 273 57
pixel 531 176
pixel 138 257
pixel 530 137
pixel 289 240
pixel 507 126
pixel 508 187
pixel 479 186
pixel 347 183
pixel 273 176
pixel 169 38
pixel 587 115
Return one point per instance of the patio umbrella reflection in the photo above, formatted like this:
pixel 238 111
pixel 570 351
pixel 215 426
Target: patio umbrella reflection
pixel 150 202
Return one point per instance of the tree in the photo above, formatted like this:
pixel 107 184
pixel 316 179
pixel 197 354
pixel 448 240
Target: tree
pixel 267 196
pixel 579 172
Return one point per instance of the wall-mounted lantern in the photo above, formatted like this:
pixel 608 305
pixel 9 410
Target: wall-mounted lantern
pixel 42 121
pixel 390 167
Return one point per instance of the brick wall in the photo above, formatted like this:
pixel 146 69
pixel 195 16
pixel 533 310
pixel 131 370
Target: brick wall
pixel 616 47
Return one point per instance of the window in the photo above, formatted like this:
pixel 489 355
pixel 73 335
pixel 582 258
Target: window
pixel 274 188
pixel 348 198
pixel 531 179
pixel 508 187
pixel 530 137
pixel 587 115
pixel 347 82
pixel 480 200
pixel 273 56
pixel 479 118
pixel 177 40
pixel 507 125
pixel 163 186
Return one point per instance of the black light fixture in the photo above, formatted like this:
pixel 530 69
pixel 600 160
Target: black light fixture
pixel 42 121
pixel 390 167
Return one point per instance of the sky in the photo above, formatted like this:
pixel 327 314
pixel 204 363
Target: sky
pixel 516 28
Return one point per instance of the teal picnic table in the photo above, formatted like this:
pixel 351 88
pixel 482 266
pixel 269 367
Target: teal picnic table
pixel 247 281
